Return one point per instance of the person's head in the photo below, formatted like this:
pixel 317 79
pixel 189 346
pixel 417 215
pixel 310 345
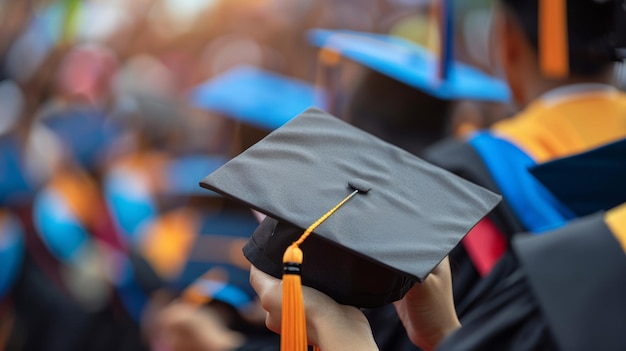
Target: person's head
pixel 397 113
pixel 592 43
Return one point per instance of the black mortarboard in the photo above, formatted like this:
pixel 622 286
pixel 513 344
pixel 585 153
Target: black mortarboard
pixel 405 219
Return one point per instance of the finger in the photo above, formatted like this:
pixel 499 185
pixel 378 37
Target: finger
pixel 271 323
pixel 269 290
pixel 262 282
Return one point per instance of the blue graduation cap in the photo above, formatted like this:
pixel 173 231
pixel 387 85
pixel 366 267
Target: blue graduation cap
pixel 588 182
pixel 260 98
pixel 413 65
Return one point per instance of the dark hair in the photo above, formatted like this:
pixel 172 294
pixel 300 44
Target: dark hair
pixel 397 113
pixel 596 31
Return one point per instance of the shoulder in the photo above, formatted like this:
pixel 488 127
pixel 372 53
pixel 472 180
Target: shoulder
pixel 578 275
pixel 462 159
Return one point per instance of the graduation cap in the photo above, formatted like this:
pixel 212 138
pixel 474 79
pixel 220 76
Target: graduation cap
pixel 588 182
pixel 414 65
pixel 562 41
pixel 573 36
pixel 396 216
pixel 260 98
pixel 553 42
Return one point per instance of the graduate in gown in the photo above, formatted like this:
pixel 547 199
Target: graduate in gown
pixel 560 74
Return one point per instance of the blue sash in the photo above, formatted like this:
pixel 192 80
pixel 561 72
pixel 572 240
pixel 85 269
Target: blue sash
pixel 130 203
pixel 536 208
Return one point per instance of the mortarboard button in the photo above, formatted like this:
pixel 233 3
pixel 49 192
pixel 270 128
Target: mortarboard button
pixel 360 185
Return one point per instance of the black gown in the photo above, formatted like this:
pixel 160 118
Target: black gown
pixel 460 158
pixel 561 291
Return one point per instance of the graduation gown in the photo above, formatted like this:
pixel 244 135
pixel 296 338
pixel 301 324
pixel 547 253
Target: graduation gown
pixel 555 126
pixel 562 291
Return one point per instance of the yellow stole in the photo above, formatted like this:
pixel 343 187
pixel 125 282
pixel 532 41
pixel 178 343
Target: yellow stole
pixel 616 221
pixel 568 125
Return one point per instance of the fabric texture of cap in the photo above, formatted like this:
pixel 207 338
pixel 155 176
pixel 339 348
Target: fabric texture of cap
pixel 405 219
pixel 588 182
pixel 260 98
pixel 411 64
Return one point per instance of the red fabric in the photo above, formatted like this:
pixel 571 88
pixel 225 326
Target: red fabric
pixel 485 245
pixel 104 228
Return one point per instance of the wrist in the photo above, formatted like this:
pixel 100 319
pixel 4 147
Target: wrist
pixel 346 328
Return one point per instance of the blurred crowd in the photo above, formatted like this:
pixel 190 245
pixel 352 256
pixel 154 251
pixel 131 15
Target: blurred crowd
pixel 101 152
pixel 106 241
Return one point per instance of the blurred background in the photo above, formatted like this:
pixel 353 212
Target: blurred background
pixel 102 223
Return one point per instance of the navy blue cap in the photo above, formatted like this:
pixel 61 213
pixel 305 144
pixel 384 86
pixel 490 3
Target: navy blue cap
pixel 588 182
pixel 411 64
pixel 260 98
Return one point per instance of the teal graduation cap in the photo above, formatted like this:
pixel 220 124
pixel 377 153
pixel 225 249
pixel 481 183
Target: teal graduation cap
pixel 261 98
pixel 413 65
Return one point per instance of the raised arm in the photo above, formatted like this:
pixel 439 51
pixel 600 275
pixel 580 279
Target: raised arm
pixel 427 310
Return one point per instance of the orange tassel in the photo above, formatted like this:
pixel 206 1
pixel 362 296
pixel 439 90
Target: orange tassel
pixel 553 38
pixel 293 324
pixel 293 327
